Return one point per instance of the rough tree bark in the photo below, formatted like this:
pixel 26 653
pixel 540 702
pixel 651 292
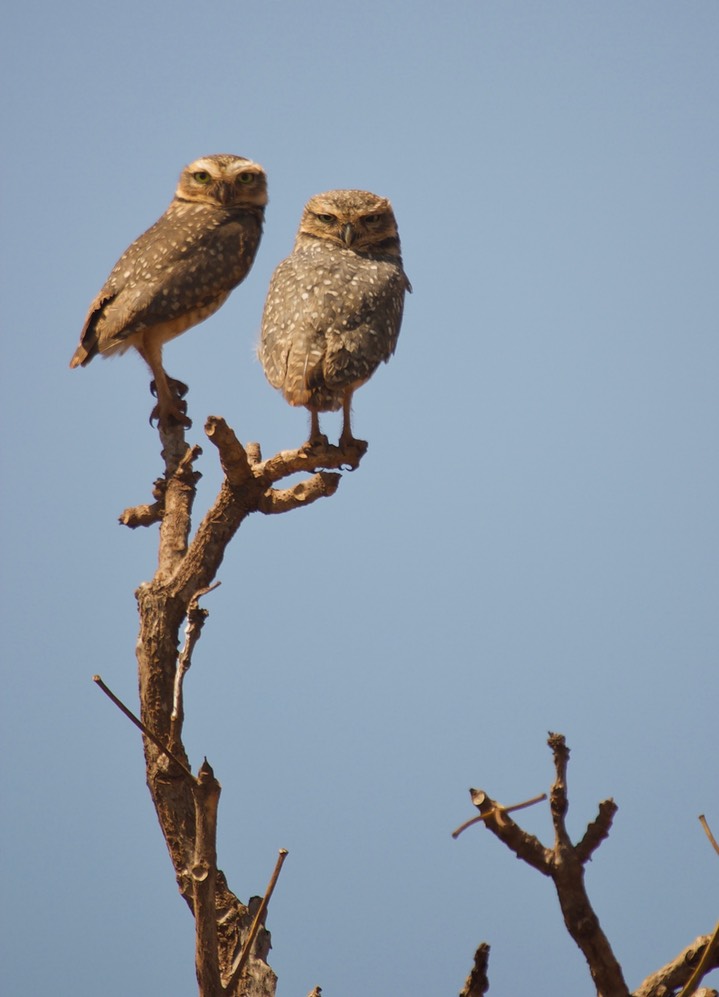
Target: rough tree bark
pixel 230 957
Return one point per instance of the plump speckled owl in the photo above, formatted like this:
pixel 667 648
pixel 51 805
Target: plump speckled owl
pixel 180 271
pixel 334 307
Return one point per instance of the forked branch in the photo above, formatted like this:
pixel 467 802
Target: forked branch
pixel 564 863
pixel 231 941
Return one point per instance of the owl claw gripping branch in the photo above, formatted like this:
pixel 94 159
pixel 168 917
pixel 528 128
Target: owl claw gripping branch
pixel 179 272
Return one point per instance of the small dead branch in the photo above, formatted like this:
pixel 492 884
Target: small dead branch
pixel 707 830
pixel 320 485
pixel 505 810
pixel 146 515
pixel 203 874
pixel 525 846
pixel 233 456
pixel 142 727
pixel 196 617
pixel 142 515
pixel 690 967
pixel 680 971
pixel 258 921
pixel 597 831
pixel 477 983
pixel 564 864
pixel 708 961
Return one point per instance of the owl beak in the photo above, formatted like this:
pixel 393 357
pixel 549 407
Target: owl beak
pixel 226 192
pixel 347 234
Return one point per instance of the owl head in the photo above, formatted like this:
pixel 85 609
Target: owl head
pixel 353 219
pixel 223 181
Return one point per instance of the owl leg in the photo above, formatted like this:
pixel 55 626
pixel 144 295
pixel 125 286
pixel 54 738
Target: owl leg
pixel 170 408
pixel 347 441
pixel 346 438
pixel 178 388
pixel 316 436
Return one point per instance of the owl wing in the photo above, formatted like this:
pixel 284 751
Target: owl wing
pixel 167 273
pixel 368 329
pixel 292 341
pixel 323 331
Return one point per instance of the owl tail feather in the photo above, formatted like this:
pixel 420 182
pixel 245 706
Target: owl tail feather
pixel 80 357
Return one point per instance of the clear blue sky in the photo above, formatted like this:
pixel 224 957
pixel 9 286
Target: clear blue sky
pixel 531 543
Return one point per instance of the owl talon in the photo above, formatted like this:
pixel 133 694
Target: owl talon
pixel 354 450
pixel 317 441
pixel 174 416
pixel 178 388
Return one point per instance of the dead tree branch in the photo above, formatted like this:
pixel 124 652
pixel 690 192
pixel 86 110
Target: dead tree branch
pixel 567 872
pixel 564 864
pixel 231 941
pixel 258 922
pixel 668 980
pixel 477 983
pixel 505 810
pixel 707 830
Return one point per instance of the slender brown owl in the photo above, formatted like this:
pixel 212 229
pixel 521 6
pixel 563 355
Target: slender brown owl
pixel 334 307
pixel 180 271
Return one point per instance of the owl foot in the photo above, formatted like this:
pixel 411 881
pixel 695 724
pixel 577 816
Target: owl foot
pixel 318 440
pixel 172 414
pixel 171 408
pixel 354 450
pixel 173 417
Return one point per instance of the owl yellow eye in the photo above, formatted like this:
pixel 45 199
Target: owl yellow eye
pixel 246 178
pixel 326 219
pixel 371 219
pixel 202 176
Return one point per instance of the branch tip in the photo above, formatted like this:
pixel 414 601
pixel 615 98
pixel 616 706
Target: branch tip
pixel 259 916
pixel 707 830
pixel 480 798
pixel 143 728
pixel 477 983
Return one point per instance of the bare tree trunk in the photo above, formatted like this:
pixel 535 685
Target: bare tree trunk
pixel 231 942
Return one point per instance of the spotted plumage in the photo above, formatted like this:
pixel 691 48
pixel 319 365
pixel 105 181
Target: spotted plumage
pixel 334 307
pixel 179 271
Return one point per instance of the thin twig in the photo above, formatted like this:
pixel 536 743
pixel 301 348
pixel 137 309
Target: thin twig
pixel 245 953
pixel 141 726
pixel 525 846
pixel 707 831
pixel 505 810
pixel 195 620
